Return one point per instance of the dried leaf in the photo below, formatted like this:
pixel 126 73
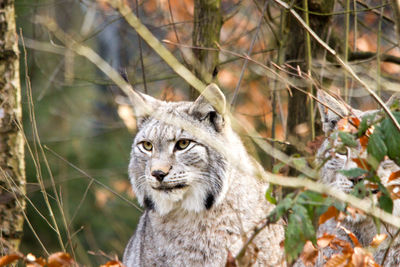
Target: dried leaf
pixel 325 240
pixel 364 141
pixel 394 176
pixel 362 258
pixel 8 259
pixel 378 239
pixel 352 236
pixel 330 213
pixel 309 254
pixel 60 259
pixel 353 211
pixel 32 261
pixel 362 163
pixel 113 263
pixel 345 126
pixel 355 121
pixel 347 248
pixel 339 260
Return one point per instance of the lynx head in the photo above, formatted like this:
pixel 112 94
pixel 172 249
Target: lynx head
pixel 332 111
pixel 340 157
pixel 172 169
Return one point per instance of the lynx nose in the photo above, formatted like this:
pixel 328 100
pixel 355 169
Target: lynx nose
pixel 159 175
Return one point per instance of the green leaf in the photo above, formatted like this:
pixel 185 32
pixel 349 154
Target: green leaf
pixel 348 139
pixel 355 172
pixel 376 149
pixel 281 208
pixel 298 231
pixel 269 196
pixel 359 190
pixel 365 124
pixel 276 168
pixel 391 137
pixel 386 203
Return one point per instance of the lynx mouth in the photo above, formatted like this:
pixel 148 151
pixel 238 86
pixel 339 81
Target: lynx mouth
pixel 167 188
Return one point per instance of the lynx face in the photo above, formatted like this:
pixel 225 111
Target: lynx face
pixel 172 169
pixel 343 159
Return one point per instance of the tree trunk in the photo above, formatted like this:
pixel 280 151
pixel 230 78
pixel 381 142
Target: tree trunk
pixel 12 165
pixel 296 55
pixel 206 32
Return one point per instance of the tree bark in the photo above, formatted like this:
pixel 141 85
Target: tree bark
pixel 206 32
pixel 12 165
pixel 299 111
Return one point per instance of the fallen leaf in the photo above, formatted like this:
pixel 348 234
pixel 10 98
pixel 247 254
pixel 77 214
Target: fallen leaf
pixel 309 254
pixel 113 263
pixel 330 213
pixel 364 141
pixel 362 258
pixel 362 163
pixel 8 259
pixel 394 176
pixel 338 260
pixel 60 259
pixel 378 239
pixel 352 236
pixel 325 240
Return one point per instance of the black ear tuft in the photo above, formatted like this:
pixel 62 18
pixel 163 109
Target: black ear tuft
pixel 211 105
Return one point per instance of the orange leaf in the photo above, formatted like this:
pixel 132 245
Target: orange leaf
pixel 346 246
pixel 362 163
pixel 394 176
pixel 338 260
pixel 355 121
pixel 60 259
pixel 325 240
pixel 32 261
pixel 362 258
pixel 378 239
pixel 8 259
pixel 331 212
pixel 352 237
pixel 364 141
pixel 309 254
pixel 113 264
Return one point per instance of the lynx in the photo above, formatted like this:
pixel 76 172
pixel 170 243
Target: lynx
pixel 199 205
pixel 361 225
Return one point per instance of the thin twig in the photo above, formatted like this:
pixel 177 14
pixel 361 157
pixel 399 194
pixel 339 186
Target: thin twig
pixel 365 204
pixel 253 41
pixel 141 51
pixel 36 144
pixel 92 178
pixel 344 65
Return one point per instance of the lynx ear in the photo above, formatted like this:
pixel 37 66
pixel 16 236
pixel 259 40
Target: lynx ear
pixel 328 117
pixel 211 105
pixel 143 105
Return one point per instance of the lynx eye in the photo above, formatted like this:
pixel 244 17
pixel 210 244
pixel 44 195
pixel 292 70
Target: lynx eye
pixel 147 145
pixel 182 144
pixel 342 151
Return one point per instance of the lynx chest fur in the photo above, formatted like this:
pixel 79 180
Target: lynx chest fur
pixel 199 204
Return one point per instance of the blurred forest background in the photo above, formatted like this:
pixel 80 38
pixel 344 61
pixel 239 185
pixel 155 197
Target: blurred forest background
pixel 255 50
